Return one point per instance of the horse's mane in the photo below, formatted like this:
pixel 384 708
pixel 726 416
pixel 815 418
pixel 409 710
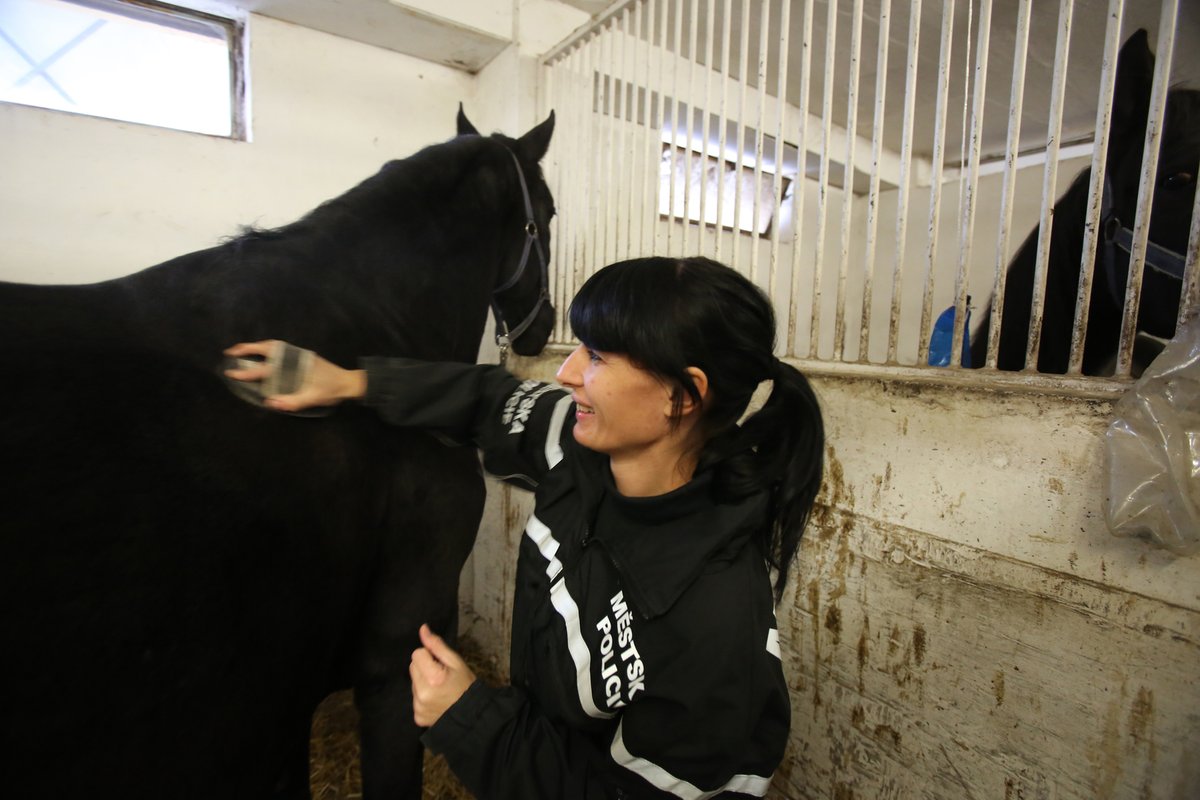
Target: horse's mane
pixel 400 185
pixel 1181 127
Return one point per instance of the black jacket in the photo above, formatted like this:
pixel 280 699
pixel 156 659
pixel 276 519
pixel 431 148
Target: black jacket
pixel 645 658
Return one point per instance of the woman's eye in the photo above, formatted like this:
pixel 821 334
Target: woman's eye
pixel 593 355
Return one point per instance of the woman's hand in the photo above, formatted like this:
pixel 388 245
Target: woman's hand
pixel 439 678
pixel 324 384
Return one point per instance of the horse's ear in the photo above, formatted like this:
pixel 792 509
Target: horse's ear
pixel 464 125
pixel 533 145
pixel 1131 95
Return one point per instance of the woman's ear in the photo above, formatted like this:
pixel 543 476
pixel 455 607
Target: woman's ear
pixel 700 381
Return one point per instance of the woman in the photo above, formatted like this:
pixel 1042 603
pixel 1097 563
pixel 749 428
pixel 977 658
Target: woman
pixel 645 658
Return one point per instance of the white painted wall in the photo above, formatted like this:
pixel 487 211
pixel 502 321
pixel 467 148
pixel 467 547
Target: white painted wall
pixel 87 199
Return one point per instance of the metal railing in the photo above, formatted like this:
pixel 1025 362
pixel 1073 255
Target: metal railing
pixel 881 225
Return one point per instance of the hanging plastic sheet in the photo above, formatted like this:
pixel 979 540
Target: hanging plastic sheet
pixel 1153 450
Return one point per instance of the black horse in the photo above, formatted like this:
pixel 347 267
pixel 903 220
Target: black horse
pixel 185 575
pixel 1171 213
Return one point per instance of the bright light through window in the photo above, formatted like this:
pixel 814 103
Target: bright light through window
pixel 703 174
pixel 151 64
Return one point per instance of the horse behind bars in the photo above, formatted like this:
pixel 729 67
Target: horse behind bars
pixel 1174 189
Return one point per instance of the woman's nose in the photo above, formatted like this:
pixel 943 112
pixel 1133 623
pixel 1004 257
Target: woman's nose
pixel 568 373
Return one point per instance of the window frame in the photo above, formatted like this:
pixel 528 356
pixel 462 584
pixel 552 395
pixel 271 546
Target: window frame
pixel 186 19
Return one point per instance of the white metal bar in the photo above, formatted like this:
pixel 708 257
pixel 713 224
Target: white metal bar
pixel 547 88
pixel 881 60
pixel 1049 176
pixel 823 187
pixel 580 191
pixel 781 71
pixel 691 118
pixel 705 118
pixel 662 107
pixel 651 141
pixel 801 174
pixel 590 192
pixel 935 189
pixel 967 230
pixel 676 113
pixel 1015 106
pixel 743 66
pixel 610 146
pixel 631 126
pixel 905 188
pixel 764 26
pixel 1141 223
pixel 839 326
pixel 620 220
pixel 564 199
pixel 1095 201
pixel 960 172
pixel 723 122
pixel 1189 296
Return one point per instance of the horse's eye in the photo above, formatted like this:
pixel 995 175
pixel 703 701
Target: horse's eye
pixel 1180 180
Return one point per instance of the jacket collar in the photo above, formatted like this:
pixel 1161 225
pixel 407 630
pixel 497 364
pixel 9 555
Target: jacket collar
pixel 661 545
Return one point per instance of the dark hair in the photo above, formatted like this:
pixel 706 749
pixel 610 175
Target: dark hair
pixel 669 314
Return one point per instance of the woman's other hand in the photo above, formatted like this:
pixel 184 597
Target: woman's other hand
pixel 439 678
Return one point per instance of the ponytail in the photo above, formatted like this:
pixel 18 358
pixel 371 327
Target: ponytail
pixel 778 449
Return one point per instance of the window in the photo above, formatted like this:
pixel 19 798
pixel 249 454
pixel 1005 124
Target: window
pixel 139 62
pixel 711 176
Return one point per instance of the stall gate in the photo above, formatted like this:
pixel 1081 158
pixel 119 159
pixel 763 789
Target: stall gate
pixel 961 623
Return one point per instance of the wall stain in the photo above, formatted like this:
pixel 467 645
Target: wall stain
pixel 1105 755
pixel 919 644
pixel 998 687
pixel 833 623
pixel 1055 485
pixel 863 652
pixel 887 734
pixel 1141 717
pixel 814 606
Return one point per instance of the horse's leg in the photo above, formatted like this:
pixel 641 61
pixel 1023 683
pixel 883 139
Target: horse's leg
pixel 437 501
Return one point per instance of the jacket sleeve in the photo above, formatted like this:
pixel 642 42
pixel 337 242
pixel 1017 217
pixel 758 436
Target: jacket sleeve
pixel 518 425
pixel 501 748
pixel 712 722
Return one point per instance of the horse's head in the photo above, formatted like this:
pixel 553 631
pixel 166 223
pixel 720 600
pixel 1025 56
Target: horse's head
pixel 521 295
pixel 1174 188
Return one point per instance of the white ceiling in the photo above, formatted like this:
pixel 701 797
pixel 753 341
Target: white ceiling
pixel 449 33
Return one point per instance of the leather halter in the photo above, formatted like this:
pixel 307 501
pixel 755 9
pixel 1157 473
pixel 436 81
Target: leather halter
pixel 1118 237
pixel 504 335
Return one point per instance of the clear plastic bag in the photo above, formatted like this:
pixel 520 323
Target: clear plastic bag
pixel 1153 450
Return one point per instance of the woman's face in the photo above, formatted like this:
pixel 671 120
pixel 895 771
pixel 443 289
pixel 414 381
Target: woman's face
pixel 621 409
